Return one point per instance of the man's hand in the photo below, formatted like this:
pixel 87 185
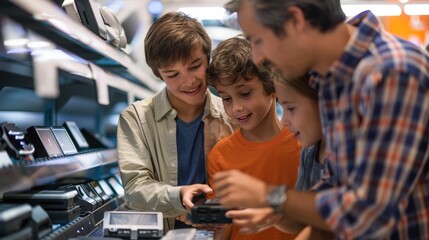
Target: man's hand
pixel 254 220
pixel 187 193
pixel 238 190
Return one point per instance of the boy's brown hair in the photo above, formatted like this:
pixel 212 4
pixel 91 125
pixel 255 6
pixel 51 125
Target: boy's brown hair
pixel 232 61
pixel 174 37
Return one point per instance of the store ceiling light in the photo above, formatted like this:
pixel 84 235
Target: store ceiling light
pixel 416 9
pixel 378 9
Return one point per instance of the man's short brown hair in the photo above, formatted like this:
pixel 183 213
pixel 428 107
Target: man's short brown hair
pixel 174 37
pixel 232 61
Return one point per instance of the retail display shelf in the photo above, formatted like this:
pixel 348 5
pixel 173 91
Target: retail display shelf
pixel 73 169
pixel 51 22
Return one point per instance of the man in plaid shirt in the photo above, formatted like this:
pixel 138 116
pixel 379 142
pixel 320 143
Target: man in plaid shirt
pixel 374 102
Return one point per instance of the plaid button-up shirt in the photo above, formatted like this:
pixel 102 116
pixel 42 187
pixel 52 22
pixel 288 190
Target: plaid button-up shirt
pixel 375 115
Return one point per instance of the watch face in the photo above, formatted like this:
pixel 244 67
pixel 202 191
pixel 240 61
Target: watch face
pixel 277 198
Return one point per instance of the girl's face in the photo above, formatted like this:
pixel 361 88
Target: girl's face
pixel 186 82
pixel 300 114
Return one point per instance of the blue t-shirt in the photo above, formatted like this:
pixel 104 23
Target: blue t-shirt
pixel 190 151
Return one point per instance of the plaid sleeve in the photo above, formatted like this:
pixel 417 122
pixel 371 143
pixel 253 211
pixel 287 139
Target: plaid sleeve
pixel 389 156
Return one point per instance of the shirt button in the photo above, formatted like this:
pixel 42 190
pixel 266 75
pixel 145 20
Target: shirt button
pixel 173 165
pixel 171 131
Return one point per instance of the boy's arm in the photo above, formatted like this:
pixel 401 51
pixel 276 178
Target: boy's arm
pixel 143 189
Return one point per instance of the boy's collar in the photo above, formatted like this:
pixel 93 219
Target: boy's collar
pixel 163 106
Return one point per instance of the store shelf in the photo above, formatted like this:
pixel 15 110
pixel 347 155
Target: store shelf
pixel 51 22
pixel 73 169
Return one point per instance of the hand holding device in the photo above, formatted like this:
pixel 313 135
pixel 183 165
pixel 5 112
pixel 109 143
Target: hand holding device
pixel 209 211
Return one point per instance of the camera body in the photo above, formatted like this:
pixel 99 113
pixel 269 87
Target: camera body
pixel 209 211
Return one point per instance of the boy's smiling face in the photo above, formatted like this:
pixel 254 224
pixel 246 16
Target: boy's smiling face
pixel 246 102
pixel 186 82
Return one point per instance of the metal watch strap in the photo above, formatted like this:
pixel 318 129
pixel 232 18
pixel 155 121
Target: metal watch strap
pixel 277 198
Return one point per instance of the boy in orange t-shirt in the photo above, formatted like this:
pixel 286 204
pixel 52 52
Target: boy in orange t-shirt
pixel 261 146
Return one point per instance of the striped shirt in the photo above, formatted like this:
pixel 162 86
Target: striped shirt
pixel 374 104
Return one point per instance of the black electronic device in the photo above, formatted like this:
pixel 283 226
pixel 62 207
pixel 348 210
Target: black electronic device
pixel 48 199
pixel 40 221
pixel 25 233
pixel 76 135
pixel 13 217
pixel 64 216
pixel 86 203
pixel 88 13
pixel 91 193
pixel 208 211
pixel 64 141
pixel 96 186
pixel 15 142
pixel 44 142
pixel 133 224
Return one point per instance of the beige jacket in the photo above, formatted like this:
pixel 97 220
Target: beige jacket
pixel 147 152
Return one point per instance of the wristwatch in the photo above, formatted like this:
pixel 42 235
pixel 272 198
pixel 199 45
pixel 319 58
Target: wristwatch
pixel 277 198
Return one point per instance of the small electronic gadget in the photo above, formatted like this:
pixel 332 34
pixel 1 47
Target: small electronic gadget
pixel 106 188
pixel 76 135
pixel 91 193
pixel 133 224
pixel 64 140
pixel 86 203
pixel 86 12
pixel 188 234
pixel 100 192
pixel 64 216
pixel 13 217
pixel 115 31
pixel 183 234
pixel 15 142
pixel 208 211
pixel 44 142
pixel 48 199
pixel 40 222
pixel 116 186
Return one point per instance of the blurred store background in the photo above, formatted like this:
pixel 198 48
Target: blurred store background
pixel 407 19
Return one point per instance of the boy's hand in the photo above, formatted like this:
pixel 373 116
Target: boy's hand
pixel 187 193
pixel 238 190
pixel 254 220
pixel 184 218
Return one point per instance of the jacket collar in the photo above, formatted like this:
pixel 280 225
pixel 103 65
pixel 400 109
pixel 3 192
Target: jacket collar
pixel 163 107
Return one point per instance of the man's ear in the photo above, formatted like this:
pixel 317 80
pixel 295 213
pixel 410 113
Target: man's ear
pixel 297 20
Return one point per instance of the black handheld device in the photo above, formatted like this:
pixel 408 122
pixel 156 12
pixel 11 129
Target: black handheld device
pixel 208 211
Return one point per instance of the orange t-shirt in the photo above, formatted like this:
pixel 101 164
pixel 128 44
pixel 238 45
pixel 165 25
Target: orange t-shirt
pixel 274 162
